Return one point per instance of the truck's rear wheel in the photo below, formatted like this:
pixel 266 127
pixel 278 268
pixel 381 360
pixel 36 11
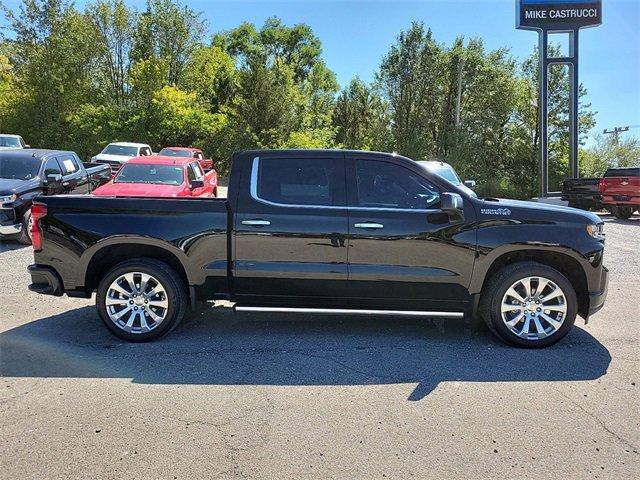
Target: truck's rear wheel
pixel 24 236
pixel 528 304
pixel 622 213
pixel 140 300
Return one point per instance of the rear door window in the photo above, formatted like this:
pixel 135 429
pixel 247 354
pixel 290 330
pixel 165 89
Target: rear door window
pixel 51 167
pixel 68 164
pixel 301 181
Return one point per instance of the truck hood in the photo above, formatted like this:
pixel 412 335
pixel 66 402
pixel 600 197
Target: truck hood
pixel 111 158
pixel 521 210
pixel 137 190
pixel 10 186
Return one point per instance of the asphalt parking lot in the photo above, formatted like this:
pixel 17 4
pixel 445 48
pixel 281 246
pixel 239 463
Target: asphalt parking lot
pixel 273 396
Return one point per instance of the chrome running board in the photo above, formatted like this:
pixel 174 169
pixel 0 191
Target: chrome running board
pixel 350 311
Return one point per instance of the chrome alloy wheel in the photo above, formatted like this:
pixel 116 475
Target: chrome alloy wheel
pixel 533 308
pixel 136 302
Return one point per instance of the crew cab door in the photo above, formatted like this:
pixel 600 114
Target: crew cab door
pixel 52 177
pixel 403 248
pixel 74 179
pixel 194 172
pixel 290 228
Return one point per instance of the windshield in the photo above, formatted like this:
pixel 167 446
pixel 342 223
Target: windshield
pixel 19 168
pixel 168 152
pixel 448 174
pixel 622 172
pixel 122 150
pixel 12 142
pixel 144 173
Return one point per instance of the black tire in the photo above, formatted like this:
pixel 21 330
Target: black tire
pixel 623 213
pixel 176 294
pixel 494 291
pixel 24 236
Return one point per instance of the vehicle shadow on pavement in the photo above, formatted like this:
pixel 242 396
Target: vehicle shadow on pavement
pixel 9 245
pixel 219 347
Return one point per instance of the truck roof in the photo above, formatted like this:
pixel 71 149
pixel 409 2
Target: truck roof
pixel 160 160
pixel 183 149
pixel 129 144
pixel 37 153
pixel 311 151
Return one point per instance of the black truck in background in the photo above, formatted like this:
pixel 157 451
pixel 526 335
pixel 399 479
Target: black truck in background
pixel 27 173
pixel 582 193
pixel 326 231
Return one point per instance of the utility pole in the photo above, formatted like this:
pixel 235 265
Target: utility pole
pixel 616 133
pixel 459 92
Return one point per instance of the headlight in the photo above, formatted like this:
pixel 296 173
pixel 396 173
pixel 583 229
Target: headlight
pixel 596 231
pixel 8 199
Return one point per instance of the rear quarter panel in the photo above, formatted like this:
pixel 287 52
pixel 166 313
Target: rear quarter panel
pixel 76 228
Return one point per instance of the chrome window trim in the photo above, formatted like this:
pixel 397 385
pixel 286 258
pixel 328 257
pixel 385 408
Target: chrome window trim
pixel 253 188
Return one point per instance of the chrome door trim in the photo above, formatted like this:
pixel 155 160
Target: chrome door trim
pixel 254 194
pixel 370 225
pixel 256 223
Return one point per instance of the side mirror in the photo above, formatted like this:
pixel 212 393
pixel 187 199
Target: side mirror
pixel 27 146
pixel 470 184
pixel 452 205
pixel 196 184
pixel 53 178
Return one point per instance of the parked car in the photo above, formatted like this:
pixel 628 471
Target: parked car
pixel 161 177
pixel 582 193
pixel 188 152
pixel 310 231
pixel 620 191
pixel 447 172
pixel 118 153
pixel 11 141
pixel 27 173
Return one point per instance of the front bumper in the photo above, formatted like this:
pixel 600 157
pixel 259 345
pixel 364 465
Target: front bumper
pixel 10 229
pixel 45 280
pixel 596 299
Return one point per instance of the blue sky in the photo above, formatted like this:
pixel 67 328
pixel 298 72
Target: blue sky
pixel 356 34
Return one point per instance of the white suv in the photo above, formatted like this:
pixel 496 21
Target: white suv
pixel 117 153
pixel 11 141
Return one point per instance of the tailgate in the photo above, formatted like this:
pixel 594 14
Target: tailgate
pixel 625 186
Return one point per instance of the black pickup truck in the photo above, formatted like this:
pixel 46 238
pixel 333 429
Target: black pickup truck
pixel 27 173
pixel 343 232
pixel 582 193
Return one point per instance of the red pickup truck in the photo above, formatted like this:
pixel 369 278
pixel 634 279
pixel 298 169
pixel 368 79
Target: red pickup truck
pixel 620 191
pixel 161 177
pixel 188 152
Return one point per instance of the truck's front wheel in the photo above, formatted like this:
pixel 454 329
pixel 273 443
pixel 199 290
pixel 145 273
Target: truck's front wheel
pixel 528 304
pixel 140 300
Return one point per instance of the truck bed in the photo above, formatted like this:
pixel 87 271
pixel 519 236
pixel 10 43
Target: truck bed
pixel 82 229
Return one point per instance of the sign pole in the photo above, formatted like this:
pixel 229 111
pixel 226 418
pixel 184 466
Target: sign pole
pixel 574 119
pixel 543 106
pixel 558 16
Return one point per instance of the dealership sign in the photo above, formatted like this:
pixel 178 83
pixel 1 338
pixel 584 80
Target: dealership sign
pixel 558 15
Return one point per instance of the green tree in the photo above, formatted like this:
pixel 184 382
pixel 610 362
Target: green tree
pixel 113 26
pixel 50 47
pixel 361 118
pixel 171 32
pixel 609 152
pixel 410 79
pixel 285 91
pixel 211 73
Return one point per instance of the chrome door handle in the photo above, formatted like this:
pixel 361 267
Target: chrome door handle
pixel 370 225
pixel 256 223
